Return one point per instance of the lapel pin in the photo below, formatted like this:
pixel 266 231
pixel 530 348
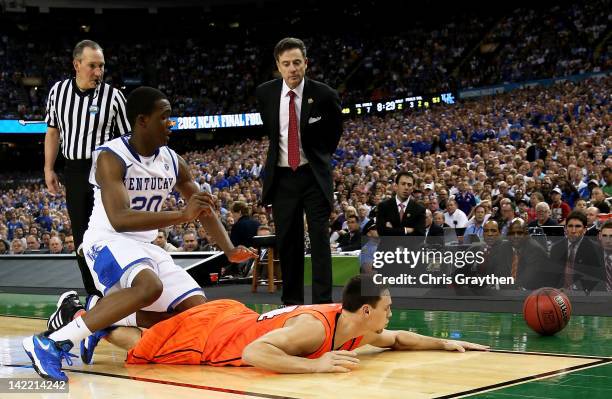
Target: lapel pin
pixel 310 101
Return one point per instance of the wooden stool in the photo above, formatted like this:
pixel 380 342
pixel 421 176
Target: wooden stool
pixel 269 243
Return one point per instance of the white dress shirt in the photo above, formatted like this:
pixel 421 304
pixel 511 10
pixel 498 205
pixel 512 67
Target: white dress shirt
pixel 283 114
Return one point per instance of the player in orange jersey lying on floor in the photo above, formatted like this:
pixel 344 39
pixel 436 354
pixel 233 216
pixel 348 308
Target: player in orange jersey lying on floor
pixel 293 339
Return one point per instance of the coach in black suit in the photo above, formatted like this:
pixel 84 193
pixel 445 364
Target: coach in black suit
pixel 303 119
pixel 576 262
pixel 401 215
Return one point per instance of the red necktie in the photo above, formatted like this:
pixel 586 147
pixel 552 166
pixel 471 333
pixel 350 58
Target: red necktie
pixel 293 150
pixel 401 211
pixel 569 266
pixel 515 262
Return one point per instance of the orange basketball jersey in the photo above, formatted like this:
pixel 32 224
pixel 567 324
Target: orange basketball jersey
pixel 217 332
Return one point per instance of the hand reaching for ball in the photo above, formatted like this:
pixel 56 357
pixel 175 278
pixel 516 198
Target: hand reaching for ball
pixel 462 346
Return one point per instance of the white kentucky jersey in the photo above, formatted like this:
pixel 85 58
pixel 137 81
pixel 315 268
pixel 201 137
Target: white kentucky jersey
pixel 148 181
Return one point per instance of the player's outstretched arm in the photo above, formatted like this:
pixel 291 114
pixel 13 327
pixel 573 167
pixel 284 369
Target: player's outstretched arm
pixel 109 176
pixel 283 350
pixel 208 217
pixel 406 340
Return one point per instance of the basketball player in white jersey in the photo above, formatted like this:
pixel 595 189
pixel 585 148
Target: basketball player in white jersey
pixel 132 176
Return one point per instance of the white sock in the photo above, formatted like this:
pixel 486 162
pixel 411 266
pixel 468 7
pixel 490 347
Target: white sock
pixel 75 331
pixel 129 321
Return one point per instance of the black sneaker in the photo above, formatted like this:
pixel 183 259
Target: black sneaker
pixel 67 306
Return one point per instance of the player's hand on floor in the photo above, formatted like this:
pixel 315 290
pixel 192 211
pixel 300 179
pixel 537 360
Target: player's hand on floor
pixel 337 362
pixel 462 346
pixel 241 254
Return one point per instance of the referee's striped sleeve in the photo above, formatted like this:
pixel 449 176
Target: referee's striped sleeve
pixel 51 114
pixel 121 122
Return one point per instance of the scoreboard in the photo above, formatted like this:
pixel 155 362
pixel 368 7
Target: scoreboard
pixel 254 119
pixel 399 104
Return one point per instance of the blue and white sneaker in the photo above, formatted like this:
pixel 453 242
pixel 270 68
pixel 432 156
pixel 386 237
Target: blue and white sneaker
pixel 47 356
pixel 88 345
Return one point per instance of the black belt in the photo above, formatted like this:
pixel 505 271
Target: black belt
pixel 300 169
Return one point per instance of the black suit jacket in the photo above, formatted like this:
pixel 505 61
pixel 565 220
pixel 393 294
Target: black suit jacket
pixel 592 231
pixel 588 264
pixel 243 231
pixel 435 230
pixel 319 139
pixel 532 257
pixel 498 259
pixel 348 243
pixel 435 235
pixel 414 216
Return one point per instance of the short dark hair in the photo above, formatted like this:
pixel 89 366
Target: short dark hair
pixel 77 52
pixel 404 173
pixel 480 206
pixel 142 101
pixel 361 290
pixel 519 222
pixel 187 232
pixel 289 43
pixel 578 216
pixel 240 207
pixel 607 225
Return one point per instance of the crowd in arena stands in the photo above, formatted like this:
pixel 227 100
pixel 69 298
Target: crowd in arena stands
pixel 536 153
pixel 203 77
pixel 417 62
pixel 528 45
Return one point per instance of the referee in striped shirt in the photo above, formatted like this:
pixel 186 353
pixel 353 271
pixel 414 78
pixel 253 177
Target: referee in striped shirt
pixel 82 113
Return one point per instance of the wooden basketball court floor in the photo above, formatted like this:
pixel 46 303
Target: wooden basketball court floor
pixel 576 363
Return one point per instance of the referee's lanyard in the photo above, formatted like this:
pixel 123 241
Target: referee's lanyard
pixel 93 108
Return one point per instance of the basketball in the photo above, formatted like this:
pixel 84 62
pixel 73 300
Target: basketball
pixel 547 311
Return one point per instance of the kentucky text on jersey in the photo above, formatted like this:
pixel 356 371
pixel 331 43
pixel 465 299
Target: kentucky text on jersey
pixel 149 183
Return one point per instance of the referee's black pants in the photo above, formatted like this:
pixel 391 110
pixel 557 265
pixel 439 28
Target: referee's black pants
pixel 79 201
